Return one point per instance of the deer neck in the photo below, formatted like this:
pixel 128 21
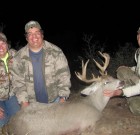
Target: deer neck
pixel 98 100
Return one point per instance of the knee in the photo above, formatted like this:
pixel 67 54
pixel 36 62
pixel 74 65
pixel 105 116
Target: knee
pixel 121 72
pixel 134 105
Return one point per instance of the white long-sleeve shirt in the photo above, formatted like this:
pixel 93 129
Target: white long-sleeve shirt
pixel 132 90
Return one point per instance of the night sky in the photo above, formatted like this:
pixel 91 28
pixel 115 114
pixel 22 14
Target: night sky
pixel 64 23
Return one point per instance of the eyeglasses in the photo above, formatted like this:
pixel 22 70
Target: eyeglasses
pixel 37 33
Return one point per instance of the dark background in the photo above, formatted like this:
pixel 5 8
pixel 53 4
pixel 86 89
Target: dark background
pixel 64 23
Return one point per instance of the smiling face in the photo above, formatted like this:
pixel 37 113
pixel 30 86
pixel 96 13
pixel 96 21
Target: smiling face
pixel 35 37
pixel 3 49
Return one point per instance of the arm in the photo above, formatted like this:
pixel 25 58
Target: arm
pixel 6 78
pixel 132 90
pixel 4 87
pixel 63 75
pixel 19 86
pixel 128 92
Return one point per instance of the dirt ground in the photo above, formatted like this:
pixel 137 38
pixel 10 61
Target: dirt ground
pixel 118 120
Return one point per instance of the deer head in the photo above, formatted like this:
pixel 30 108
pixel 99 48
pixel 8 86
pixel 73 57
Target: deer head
pixel 99 84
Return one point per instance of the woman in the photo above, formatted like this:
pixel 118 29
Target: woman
pixel 8 102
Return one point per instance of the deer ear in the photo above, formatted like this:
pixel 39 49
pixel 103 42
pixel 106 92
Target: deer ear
pixel 88 91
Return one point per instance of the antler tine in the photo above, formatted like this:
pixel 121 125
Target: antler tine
pixel 82 76
pixel 105 64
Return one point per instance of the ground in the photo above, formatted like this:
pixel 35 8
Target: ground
pixel 117 119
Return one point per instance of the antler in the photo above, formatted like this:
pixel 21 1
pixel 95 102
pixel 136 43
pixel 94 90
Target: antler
pixel 102 71
pixel 82 76
pixel 105 64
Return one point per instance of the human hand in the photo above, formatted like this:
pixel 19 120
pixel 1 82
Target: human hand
pixel 62 100
pixel 1 113
pixel 110 93
pixel 24 104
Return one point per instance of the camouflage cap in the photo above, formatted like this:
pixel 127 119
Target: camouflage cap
pixel 32 24
pixel 3 37
pixel 138 31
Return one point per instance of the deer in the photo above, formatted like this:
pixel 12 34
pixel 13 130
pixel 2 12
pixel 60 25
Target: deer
pixel 71 117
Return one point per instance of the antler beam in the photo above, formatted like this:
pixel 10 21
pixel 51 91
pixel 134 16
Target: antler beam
pixel 105 64
pixel 82 76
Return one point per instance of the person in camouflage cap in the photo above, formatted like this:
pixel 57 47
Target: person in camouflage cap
pixel 8 101
pixel 41 72
pixel 131 77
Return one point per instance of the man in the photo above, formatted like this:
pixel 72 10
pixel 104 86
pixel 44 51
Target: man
pixel 41 71
pixel 8 102
pixel 131 76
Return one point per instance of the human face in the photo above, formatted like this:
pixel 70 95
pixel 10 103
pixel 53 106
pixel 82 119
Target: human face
pixel 138 38
pixel 3 49
pixel 35 39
